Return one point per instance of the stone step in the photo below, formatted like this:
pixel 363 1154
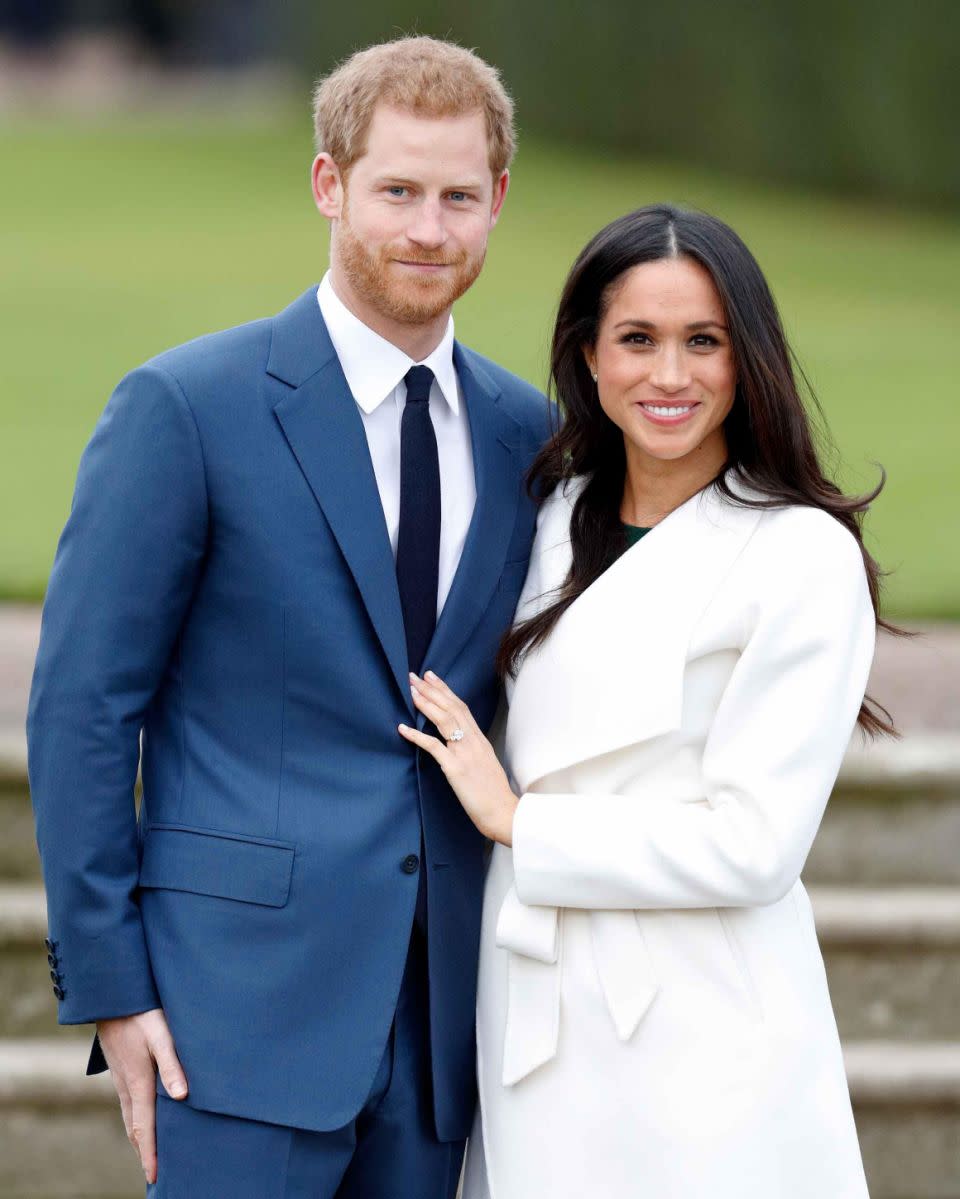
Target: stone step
pixel 894 817
pixel 18 846
pixel 893 960
pixel 906 1100
pixel 61 1133
pixel 892 957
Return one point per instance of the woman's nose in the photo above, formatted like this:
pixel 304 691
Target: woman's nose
pixel 669 371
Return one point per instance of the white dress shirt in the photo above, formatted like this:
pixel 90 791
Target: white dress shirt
pixel 375 370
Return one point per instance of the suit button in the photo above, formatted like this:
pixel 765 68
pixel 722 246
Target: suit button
pixel 410 864
pixel 55 976
pixel 52 959
pixel 51 946
pixel 59 991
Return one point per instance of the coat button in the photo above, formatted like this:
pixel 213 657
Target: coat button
pixel 410 864
pixel 55 976
pixel 52 959
pixel 51 946
pixel 59 991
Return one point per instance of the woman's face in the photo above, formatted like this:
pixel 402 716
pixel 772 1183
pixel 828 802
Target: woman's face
pixel 664 362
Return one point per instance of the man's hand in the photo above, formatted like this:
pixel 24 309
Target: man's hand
pixel 136 1047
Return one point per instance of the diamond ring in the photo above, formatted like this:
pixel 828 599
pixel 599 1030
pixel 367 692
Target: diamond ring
pixel 456 735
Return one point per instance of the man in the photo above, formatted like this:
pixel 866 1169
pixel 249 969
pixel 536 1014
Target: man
pixel 272 526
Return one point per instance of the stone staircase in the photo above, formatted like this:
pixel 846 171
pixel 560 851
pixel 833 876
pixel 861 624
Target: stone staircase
pixel 891 945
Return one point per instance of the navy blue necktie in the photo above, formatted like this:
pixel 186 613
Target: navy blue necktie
pixel 418 539
pixel 418 544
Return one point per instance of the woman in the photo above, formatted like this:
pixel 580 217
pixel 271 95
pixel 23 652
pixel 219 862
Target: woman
pixel 692 648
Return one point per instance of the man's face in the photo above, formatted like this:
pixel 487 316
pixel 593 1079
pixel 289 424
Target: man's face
pixel 414 213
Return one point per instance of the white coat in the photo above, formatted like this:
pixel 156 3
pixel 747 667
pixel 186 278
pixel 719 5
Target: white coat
pixel 653 1014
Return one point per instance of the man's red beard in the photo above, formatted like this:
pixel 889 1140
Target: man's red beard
pixel 410 301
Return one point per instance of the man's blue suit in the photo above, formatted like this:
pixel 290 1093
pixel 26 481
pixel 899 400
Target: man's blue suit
pixel 225 583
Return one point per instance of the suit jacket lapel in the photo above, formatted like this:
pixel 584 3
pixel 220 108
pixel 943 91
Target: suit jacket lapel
pixel 493 434
pixel 611 672
pixel 319 418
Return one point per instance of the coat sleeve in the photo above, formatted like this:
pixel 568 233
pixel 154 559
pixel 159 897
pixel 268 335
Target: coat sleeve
pixel 770 761
pixel 124 572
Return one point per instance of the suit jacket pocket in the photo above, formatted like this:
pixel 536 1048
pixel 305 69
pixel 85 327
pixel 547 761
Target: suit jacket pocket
pixel 207 862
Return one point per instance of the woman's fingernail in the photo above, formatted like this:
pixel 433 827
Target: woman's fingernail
pixel 431 676
pixel 178 1090
pixel 402 728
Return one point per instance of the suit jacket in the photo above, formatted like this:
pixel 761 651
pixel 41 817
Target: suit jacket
pixel 225 590
pixel 653 1015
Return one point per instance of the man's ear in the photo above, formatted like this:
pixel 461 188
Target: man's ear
pixel 327 186
pixel 499 195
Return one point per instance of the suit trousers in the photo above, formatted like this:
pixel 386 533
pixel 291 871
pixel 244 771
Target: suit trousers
pixel 388 1151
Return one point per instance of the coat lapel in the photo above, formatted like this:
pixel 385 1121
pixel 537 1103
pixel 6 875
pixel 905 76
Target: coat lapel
pixel 611 672
pixel 494 435
pixel 319 418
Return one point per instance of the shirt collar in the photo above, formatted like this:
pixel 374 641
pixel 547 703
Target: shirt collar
pixel 374 366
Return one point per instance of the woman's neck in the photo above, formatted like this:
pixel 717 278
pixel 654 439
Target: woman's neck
pixel 654 487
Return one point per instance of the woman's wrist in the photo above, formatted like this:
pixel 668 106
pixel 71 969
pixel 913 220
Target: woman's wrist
pixel 500 828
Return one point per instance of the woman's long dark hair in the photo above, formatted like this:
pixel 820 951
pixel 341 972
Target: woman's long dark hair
pixel 770 442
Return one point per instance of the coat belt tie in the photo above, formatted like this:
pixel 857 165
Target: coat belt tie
pixel 532 935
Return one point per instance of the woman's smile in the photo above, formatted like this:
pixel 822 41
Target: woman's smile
pixel 668 414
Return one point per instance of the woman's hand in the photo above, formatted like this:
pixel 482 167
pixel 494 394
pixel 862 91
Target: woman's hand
pixel 469 763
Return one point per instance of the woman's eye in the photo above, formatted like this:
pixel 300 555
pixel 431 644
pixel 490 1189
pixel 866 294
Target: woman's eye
pixel 636 339
pixel 703 339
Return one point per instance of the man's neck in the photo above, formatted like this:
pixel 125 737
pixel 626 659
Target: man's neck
pixel 417 341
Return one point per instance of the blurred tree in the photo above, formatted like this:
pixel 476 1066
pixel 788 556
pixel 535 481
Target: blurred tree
pixel 858 95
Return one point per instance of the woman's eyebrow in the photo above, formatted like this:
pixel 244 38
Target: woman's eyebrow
pixel 636 323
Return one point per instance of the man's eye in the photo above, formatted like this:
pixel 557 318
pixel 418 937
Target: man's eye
pixel 458 195
pixel 397 190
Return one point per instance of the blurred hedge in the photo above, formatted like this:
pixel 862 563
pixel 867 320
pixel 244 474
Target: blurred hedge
pixel 853 95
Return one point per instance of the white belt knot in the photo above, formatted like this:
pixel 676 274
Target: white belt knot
pixel 532 935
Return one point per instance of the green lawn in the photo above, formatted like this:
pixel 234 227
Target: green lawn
pixel 117 242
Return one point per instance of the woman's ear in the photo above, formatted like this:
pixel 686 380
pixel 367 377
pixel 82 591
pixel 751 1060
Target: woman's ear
pixel 590 357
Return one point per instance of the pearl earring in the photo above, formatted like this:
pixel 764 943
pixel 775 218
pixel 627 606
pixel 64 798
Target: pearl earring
pixel 594 377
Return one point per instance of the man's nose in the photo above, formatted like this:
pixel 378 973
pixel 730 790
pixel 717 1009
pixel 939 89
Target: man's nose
pixel 427 228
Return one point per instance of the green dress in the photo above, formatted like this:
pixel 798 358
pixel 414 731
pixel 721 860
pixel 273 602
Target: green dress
pixel 634 533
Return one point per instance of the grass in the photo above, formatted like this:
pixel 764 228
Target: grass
pixel 117 241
